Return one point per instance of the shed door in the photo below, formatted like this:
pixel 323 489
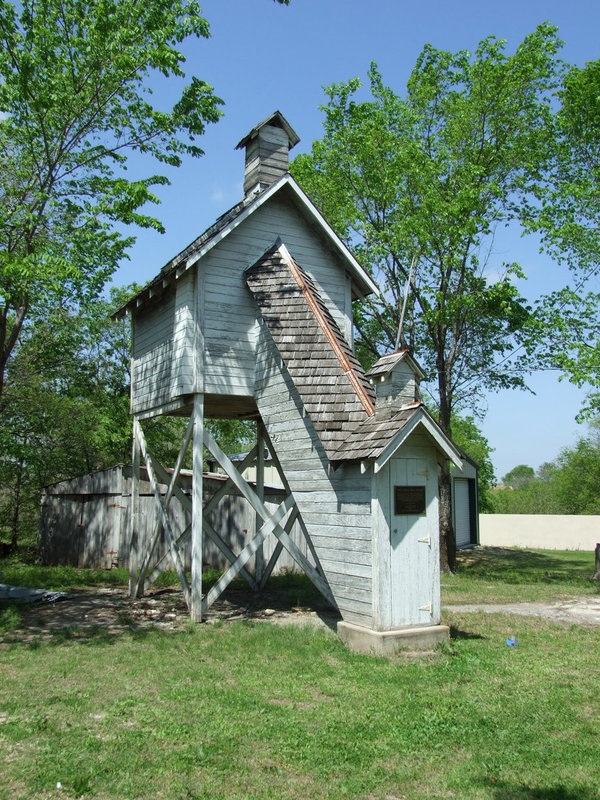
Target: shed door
pixel 462 512
pixel 413 487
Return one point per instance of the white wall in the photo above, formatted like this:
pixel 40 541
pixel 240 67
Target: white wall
pixel 540 531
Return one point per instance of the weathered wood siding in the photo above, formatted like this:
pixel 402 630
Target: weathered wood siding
pixel 84 522
pixel 183 376
pixel 152 354
pixel 228 312
pixel 172 357
pixel 335 507
pixel 399 387
pixel 267 157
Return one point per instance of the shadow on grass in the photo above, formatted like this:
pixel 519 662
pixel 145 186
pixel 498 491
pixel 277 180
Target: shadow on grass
pixel 34 637
pixel 506 791
pixel 101 616
pixel 456 633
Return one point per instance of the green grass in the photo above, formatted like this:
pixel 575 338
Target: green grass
pixel 257 711
pixel 246 711
pixel 494 575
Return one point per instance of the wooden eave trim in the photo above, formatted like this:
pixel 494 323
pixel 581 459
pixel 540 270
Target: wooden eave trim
pixel 360 277
pixel 347 367
pixel 421 417
pixel 356 270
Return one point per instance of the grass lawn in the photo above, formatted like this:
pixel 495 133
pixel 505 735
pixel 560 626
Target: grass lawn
pixel 499 575
pixel 246 711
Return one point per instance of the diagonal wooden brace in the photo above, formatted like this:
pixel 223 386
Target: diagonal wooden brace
pixel 316 577
pixel 172 486
pixel 137 431
pixel 212 534
pixel 247 553
pixel 223 490
pixel 163 561
pixel 316 574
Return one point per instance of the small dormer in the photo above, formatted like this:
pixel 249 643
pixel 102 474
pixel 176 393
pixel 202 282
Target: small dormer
pixel 267 152
pixel 396 378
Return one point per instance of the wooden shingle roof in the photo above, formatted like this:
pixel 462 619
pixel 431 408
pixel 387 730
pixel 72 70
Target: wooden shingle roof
pixel 332 384
pixel 327 374
pixel 387 363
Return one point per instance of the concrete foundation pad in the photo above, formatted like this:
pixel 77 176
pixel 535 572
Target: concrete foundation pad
pixel 387 643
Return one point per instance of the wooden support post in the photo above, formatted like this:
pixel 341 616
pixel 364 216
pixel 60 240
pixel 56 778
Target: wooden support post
pixel 197 508
pixel 259 557
pixel 134 510
pixel 596 575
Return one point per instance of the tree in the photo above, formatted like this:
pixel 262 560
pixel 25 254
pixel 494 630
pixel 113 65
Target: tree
pixel 519 476
pixel 577 477
pixel 74 103
pixel 567 485
pixel 66 405
pixel 416 186
pixel 567 217
pixel 536 496
pixel 66 409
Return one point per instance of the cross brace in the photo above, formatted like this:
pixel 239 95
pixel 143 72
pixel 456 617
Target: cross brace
pixel 278 523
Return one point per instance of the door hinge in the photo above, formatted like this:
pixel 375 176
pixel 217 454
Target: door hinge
pixel 425 539
pixel 426 608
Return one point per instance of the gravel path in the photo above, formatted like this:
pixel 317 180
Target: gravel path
pixel 85 612
pixel 581 610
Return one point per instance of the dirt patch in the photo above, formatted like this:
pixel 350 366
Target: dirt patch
pixel 110 610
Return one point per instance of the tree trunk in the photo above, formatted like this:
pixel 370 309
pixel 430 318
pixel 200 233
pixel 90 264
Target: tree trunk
pixel 447 535
pixel 14 537
pixel 596 575
pixel 9 336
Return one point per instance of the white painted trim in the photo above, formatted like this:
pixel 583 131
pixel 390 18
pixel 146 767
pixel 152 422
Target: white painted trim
pixel 355 269
pixel 420 418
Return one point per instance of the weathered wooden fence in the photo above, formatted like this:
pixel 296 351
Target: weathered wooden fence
pixel 84 521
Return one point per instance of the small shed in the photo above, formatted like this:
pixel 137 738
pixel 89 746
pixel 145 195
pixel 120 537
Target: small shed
pixel 465 502
pixel 253 319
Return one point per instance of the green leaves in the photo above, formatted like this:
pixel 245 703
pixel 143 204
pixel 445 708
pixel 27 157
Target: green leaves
pixel 74 103
pixel 567 485
pixel 65 406
pixel 424 179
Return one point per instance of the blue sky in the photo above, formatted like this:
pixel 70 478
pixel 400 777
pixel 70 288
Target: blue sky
pixel 262 57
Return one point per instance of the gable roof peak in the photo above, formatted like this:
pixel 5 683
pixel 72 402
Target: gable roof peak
pixel 386 363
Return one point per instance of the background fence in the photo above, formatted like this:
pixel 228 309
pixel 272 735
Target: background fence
pixel 540 531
